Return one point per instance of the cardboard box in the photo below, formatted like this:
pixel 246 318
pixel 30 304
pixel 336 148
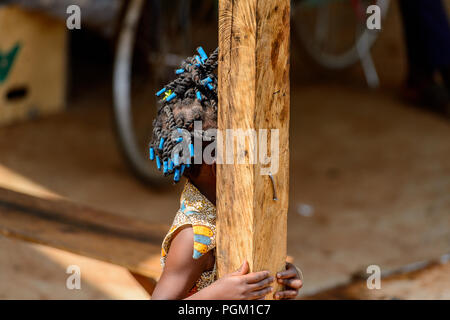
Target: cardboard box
pixel 33 64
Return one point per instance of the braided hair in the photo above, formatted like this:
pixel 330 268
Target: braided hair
pixel 190 97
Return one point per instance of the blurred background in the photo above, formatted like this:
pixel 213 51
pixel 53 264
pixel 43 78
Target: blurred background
pixel 370 142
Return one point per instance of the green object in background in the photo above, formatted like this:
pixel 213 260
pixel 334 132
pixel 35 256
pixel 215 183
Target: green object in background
pixel 6 62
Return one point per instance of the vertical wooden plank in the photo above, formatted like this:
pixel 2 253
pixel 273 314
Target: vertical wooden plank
pixel 253 94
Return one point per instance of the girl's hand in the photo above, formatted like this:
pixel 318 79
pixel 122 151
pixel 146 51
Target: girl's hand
pixel 292 281
pixel 241 285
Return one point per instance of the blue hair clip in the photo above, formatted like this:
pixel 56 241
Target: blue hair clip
pixel 179 71
pixel 191 149
pixel 188 162
pixel 170 165
pixel 161 143
pixel 210 87
pixel 158 163
pixel 206 81
pixel 152 154
pixel 160 92
pixel 177 175
pixel 182 169
pixel 179 139
pixel 202 53
pixel 198 60
pixel 170 97
pixel 199 96
pixel 165 167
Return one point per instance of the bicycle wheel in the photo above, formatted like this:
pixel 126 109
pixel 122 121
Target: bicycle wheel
pixel 334 32
pixel 144 61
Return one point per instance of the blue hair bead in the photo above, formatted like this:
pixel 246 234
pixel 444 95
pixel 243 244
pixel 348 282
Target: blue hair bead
pixel 165 167
pixel 202 53
pixel 177 175
pixel 160 92
pixel 199 96
pixel 161 143
pixel 182 169
pixel 198 60
pixel 173 95
pixel 191 149
pixel 170 165
pixel 179 71
pixel 179 139
pixel 152 154
pixel 158 163
pixel 210 87
pixel 206 81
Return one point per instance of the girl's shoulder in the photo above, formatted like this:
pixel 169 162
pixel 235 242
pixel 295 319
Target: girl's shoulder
pixel 197 211
pixel 194 203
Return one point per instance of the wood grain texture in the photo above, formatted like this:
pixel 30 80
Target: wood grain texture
pixel 253 94
pixel 135 245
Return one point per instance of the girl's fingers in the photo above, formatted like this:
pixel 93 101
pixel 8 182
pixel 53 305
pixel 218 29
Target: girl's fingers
pixel 259 294
pixel 242 270
pixel 289 273
pixel 255 277
pixel 262 284
pixel 285 295
pixel 291 283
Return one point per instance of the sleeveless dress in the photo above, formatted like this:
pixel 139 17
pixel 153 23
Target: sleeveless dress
pixel 197 211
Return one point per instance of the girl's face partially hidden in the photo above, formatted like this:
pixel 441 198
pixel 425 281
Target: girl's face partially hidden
pixel 204 178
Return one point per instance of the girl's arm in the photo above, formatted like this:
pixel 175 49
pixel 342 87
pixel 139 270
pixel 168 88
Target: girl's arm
pixel 182 271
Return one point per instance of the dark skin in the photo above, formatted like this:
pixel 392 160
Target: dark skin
pixel 182 271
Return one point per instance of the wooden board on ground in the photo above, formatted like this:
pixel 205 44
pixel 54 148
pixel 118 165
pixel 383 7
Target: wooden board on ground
pixel 134 245
pixel 33 64
pixel 253 94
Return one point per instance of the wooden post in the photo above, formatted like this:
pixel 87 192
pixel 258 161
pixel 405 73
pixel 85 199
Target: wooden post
pixel 253 94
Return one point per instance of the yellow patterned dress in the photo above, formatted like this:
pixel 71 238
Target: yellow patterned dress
pixel 195 210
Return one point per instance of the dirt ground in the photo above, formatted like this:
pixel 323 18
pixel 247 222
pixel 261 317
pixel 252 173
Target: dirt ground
pixel 370 181
pixel 430 282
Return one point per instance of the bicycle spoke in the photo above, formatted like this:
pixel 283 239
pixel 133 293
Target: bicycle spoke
pixel 321 33
pixel 332 35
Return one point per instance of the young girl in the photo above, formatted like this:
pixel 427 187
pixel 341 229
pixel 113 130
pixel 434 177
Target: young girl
pixel 188 250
